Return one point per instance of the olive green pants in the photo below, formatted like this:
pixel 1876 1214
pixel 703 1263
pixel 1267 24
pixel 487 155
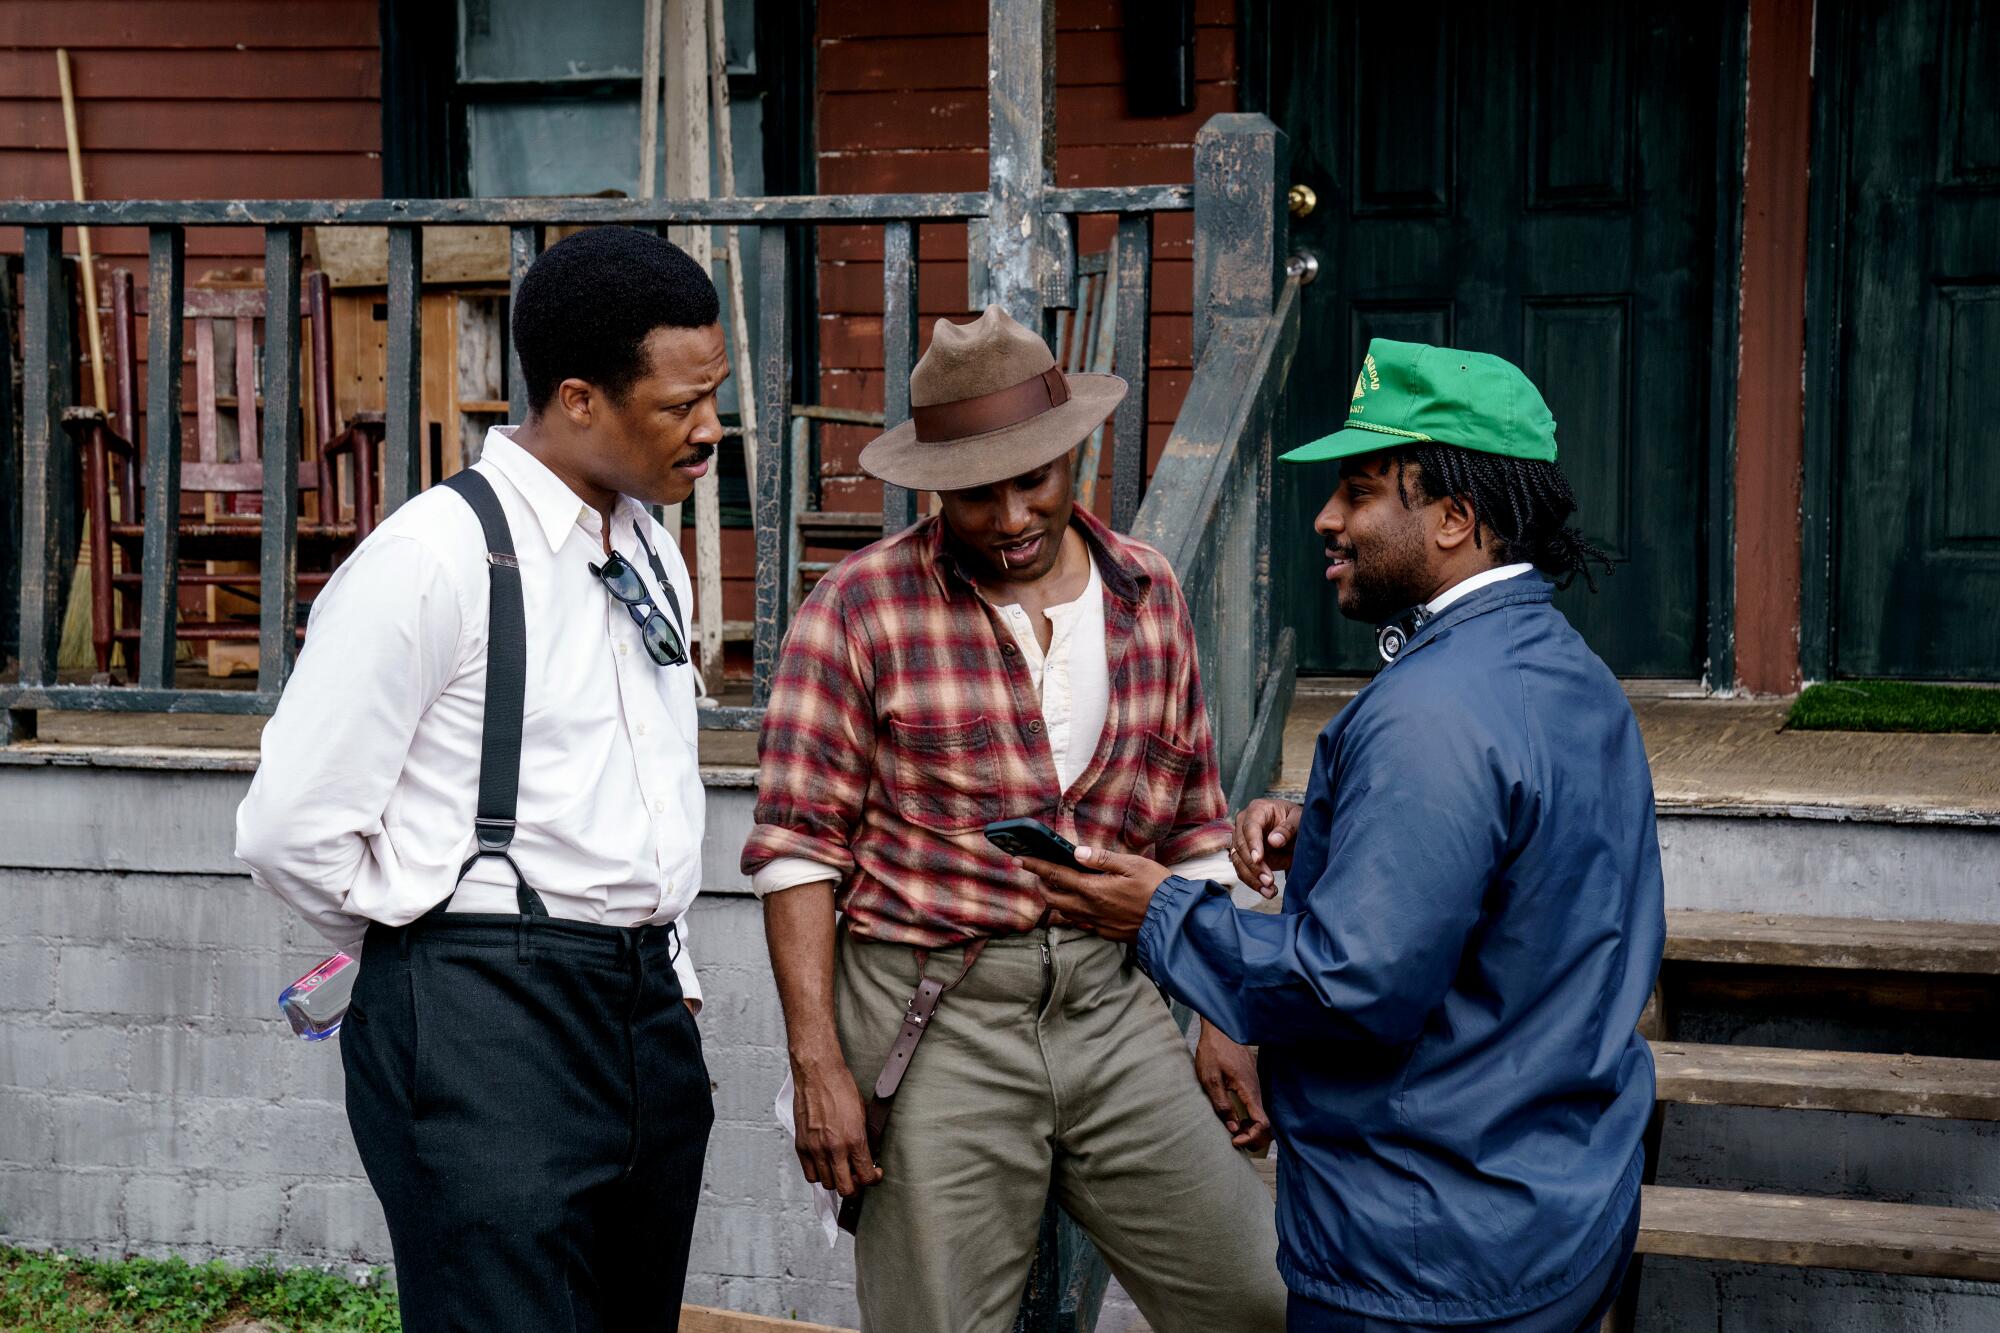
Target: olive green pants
pixel 1053 1065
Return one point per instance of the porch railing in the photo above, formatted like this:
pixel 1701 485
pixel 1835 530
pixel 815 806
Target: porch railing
pixel 51 476
pixel 1238 245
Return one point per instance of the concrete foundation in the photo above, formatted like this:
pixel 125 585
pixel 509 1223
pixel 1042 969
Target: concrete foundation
pixel 151 1099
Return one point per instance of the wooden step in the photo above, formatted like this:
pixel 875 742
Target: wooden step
pixel 1828 1081
pixel 1820 1233
pixel 1808 1232
pixel 1850 943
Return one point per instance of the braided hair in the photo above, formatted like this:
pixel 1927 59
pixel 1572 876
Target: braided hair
pixel 1524 502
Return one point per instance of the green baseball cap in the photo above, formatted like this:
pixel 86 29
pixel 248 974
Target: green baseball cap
pixel 1413 391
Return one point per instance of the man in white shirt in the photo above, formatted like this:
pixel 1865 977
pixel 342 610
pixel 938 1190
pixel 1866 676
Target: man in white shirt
pixel 483 773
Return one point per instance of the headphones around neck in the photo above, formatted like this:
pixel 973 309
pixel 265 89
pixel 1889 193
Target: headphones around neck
pixel 1394 634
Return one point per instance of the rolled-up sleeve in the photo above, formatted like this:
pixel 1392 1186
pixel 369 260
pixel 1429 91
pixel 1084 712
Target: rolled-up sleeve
pixel 817 745
pixel 1417 833
pixel 383 643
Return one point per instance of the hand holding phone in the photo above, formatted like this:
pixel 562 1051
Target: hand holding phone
pixel 1031 837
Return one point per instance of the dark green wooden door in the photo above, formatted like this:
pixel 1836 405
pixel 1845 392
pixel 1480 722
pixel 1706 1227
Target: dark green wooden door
pixel 1536 181
pixel 1916 582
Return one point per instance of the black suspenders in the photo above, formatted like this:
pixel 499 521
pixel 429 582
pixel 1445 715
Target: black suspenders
pixel 506 685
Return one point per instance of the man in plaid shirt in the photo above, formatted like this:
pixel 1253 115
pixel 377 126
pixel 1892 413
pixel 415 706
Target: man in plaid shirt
pixel 1009 657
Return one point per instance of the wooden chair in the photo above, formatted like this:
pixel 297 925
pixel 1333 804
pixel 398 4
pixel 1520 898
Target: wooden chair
pixel 225 334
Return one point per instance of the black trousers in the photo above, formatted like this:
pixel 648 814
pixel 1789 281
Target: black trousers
pixel 530 1102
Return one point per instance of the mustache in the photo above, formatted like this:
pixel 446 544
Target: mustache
pixel 700 454
pixel 1339 552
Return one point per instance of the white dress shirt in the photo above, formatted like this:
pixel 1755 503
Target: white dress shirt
pixel 362 806
pixel 1475 583
pixel 1073 681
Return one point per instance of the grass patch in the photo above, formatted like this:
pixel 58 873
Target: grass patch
pixel 1894 705
pixel 44 1292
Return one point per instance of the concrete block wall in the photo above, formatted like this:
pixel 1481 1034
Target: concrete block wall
pixel 153 1101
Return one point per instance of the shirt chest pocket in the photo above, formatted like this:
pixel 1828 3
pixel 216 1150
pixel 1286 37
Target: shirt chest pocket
pixel 1155 803
pixel 941 778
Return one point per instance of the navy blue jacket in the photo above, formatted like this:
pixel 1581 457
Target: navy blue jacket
pixel 1448 1003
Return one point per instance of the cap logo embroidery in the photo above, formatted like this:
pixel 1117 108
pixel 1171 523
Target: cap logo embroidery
pixel 1369 378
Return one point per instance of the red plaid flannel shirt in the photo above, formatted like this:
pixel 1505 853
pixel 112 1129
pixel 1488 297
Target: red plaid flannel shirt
pixel 902 720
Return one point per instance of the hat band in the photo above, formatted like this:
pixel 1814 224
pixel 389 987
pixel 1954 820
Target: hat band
pixel 943 422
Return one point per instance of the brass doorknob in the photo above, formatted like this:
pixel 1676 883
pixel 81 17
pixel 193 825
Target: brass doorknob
pixel 1301 200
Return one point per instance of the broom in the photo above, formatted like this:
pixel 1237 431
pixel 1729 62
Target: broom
pixel 76 651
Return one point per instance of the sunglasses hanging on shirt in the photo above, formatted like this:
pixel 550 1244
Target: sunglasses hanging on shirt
pixel 665 641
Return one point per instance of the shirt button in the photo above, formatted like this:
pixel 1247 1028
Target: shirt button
pixel 659 807
pixel 622 648
pixel 642 728
pixel 1035 727
pixel 1007 649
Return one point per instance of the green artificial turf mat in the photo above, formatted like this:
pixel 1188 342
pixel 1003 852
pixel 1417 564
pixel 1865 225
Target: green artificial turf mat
pixel 1894 705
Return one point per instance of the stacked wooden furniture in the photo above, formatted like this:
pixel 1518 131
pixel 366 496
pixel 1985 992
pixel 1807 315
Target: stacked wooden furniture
pixel 226 476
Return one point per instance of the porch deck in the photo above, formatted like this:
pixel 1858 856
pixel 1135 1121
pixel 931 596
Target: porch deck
pixel 1709 755
pixel 1713 755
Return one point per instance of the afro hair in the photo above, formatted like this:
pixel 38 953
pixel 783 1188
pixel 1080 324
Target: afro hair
pixel 587 306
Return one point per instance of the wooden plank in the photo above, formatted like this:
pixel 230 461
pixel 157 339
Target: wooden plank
pixel 1134 254
pixel 1798 1232
pixel 49 474
pixel 160 559
pixel 402 444
pixel 583 211
pixel 524 246
pixel 194 24
pixel 706 1319
pixel 233 76
pixel 131 699
pixel 10 486
pixel 1239 220
pixel 1021 151
pixel 1867 1083
pixel 1848 943
pixel 899 354
pixel 278 569
pixel 138 123
pixel 772 486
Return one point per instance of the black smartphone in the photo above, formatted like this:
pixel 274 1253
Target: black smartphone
pixel 1031 837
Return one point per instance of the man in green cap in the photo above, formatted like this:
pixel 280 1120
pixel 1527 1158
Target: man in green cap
pixel 1447 1005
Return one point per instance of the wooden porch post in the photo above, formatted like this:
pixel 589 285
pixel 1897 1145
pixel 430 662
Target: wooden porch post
pixel 1770 392
pixel 49 473
pixel 1020 151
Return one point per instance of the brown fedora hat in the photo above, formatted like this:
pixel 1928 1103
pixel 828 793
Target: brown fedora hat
pixel 988 402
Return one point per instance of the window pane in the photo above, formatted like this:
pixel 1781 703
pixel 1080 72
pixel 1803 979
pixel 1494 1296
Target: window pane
pixel 529 39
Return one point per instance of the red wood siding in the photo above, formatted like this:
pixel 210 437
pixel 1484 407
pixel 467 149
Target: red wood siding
pixel 901 105
pixel 190 99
